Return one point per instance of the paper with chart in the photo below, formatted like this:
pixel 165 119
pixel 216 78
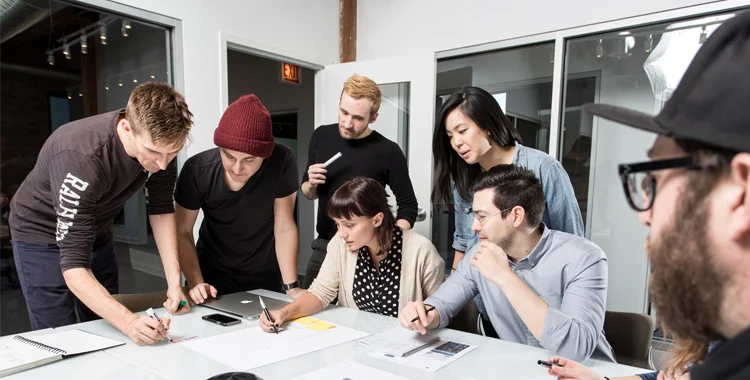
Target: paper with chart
pixel 398 341
pixel 431 358
pixel 251 348
pixel 347 370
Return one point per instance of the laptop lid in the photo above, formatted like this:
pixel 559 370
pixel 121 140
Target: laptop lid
pixel 243 304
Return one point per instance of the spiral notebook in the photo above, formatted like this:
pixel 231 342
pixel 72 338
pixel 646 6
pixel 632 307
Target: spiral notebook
pixel 19 353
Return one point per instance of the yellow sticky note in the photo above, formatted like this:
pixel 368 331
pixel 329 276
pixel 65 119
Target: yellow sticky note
pixel 314 324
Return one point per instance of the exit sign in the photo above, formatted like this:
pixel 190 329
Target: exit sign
pixel 290 73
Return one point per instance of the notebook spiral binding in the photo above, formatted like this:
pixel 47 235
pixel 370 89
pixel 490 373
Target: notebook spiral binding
pixel 40 345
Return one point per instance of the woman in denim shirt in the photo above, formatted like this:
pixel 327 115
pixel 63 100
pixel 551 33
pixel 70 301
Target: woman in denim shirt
pixel 472 134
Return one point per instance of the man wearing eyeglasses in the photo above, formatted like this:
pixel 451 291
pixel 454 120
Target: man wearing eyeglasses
pixel 694 195
pixel 541 287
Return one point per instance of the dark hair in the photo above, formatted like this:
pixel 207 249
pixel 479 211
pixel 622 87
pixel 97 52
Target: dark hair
pixel 514 186
pixel 361 196
pixel 482 108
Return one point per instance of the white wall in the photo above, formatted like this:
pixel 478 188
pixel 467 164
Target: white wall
pixel 306 30
pixel 388 28
pixel 249 74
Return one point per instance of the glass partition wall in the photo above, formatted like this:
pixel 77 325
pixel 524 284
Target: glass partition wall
pixel 634 65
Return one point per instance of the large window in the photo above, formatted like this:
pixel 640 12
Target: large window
pixel 62 63
pixel 636 68
pixel 520 79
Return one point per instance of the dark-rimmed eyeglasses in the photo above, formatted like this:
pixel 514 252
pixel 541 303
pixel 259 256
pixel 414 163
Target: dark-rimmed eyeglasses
pixel 640 185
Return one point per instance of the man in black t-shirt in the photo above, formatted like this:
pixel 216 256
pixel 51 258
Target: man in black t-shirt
pixel 246 188
pixel 364 153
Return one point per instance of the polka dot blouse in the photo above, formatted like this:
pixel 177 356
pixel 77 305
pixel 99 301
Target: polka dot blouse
pixel 377 291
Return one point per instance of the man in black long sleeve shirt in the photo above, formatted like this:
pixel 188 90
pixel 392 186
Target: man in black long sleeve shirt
pixel 62 215
pixel 364 153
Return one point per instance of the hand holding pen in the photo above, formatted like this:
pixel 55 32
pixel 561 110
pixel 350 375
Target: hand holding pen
pixel 270 321
pixel 163 323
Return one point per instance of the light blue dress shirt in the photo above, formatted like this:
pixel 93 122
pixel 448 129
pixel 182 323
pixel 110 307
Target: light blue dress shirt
pixel 568 272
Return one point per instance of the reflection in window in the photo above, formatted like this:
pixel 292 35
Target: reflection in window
pixel 638 69
pixel 520 79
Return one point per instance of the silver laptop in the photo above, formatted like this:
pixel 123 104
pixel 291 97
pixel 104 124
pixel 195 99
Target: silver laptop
pixel 243 304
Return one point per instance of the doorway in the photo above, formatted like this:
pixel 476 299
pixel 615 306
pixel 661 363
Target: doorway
pixel 292 108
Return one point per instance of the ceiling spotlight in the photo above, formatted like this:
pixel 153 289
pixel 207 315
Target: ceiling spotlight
pixel 621 47
pixel 66 51
pixel 135 80
pixel 119 84
pixel 153 76
pixel 84 45
pixel 106 88
pixel 50 59
pixel 704 35
pixel 125 28
pixel 625 33
pixel 649 44
pixel 599 49
pixel 103 34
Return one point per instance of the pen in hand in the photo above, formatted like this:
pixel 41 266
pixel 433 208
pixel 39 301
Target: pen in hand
pixel 429 309
pixel 268 315
pixel 547 364
pixel 153 315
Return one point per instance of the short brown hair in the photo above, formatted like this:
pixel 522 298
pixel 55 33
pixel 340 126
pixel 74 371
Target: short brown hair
pixel 159 109
pixel 362 196
pixel 359 87
pixel 514 186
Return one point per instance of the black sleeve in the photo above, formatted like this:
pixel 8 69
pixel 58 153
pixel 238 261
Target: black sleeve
pixel 310 158
pixel 76 183
pixel 288 182
pixel 187 194
pixel 160 190
pixel 400 183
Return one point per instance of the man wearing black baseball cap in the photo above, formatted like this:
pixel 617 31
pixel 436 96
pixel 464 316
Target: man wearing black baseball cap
pixel 694 195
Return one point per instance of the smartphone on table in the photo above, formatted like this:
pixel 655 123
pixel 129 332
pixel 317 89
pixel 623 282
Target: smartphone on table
pixel 221 319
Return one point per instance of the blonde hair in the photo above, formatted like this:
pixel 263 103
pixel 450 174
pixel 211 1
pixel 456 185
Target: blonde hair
pixel 359 87
pixel 162 111
pixel 683 354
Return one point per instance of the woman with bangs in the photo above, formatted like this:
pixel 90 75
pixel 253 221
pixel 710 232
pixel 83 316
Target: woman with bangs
pixel 372 264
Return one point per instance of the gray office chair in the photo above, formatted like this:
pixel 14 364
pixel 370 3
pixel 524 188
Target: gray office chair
pixel 466 319
pixel 630 335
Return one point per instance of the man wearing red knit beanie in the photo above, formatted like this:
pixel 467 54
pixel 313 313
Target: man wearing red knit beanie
pixel 246 188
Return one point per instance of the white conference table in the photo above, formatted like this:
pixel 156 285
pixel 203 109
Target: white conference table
pixel 492 359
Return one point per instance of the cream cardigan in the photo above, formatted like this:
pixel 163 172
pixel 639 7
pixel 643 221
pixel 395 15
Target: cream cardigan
pixel 422 272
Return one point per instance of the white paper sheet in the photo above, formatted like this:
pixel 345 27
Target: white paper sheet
pixel 16 354
pixel 347 370
pixel 251 348
pixel 431 358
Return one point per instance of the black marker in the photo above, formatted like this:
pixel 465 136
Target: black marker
pixel 268 315
pixel 429 309
pixel 547 364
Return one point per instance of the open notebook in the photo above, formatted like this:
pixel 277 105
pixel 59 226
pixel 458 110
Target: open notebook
pixel 398 342
pixel 19 354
